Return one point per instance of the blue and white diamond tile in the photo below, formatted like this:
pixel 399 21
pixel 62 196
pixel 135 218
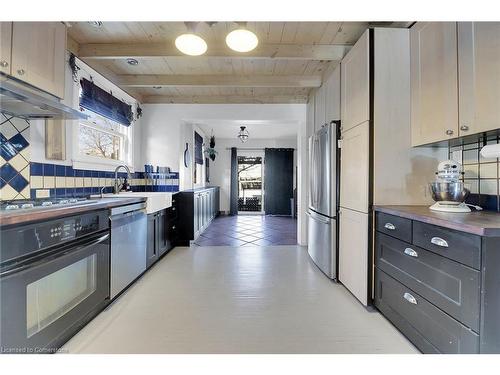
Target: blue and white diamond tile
pixel 14 158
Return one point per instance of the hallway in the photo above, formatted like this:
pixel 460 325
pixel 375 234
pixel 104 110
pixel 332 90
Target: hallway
pixel 237 300
pixel 250 230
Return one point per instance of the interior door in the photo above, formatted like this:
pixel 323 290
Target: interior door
pixel 478 76
pixel 355 168
pixel 433 74
pixel 353 253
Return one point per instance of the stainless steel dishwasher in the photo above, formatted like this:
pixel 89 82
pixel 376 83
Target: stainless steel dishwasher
pixel 128 245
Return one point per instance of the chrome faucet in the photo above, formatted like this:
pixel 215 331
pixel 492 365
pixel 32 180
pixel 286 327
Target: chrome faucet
pixel 118 185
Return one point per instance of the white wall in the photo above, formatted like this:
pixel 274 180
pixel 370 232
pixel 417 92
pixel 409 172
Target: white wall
pixel 166 128
pixel 220 169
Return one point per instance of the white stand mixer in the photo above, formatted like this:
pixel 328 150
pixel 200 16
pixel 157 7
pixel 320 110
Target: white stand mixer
pixel 448 191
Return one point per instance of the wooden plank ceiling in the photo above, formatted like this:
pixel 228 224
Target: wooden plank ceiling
pixel 290 60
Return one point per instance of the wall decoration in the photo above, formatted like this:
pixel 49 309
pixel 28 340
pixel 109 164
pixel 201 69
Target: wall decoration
pixel 187 156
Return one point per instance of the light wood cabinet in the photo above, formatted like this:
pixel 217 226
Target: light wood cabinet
pixel 478 76
pixel 355 84
pixel 38 55
pixel 353 253
pixel 433 75
pixel 332 95
pixel 319 108
pixel 5 46
pixel 355 168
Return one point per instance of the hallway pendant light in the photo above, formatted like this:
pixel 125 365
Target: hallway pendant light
pixel 243 134
pixel 241 40
pixel 191 44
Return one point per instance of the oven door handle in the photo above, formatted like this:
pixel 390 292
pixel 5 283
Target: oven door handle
pixel 56 255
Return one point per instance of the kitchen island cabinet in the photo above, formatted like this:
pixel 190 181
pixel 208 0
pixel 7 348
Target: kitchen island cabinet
pixel 437 279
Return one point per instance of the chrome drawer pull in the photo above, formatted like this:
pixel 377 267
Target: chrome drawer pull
pixel 390 226
pixel 411 252
pixel 439 242
pixel 410 298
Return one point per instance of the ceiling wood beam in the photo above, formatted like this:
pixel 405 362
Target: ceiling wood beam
pixel 217 80
pixel 165 50
pixel 228 99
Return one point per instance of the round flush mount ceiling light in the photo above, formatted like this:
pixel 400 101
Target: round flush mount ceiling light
pixel 191 44
pixel 132 62
pixel 241 40
pixel 243 134
pixel 96 24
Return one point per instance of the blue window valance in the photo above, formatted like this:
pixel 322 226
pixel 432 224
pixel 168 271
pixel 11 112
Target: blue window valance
pixel 97 100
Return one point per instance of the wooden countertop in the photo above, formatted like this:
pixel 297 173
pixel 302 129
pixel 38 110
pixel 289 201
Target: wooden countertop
pixel 46 213
pixel 482 223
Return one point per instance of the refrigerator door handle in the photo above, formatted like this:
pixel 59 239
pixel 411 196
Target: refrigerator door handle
pixel 316 175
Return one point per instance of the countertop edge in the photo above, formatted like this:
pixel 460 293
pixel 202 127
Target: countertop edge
pixel 7 219
pixel 479 230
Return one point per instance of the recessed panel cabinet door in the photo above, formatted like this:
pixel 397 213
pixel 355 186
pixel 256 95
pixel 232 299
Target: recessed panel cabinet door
pixel 5 46
pixel 354 168
pixel 353 253
pixel 332 95
pixel 355 84
pixel 433 74
pixel 319 108
pixel 479 76
pixel 38 55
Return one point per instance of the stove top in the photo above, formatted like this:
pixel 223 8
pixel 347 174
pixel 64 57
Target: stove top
pixel 21 204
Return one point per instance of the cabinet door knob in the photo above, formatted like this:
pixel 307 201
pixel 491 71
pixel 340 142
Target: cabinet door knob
pixel 464 128
pixel 410 298
pixel 439 242
pixel 20 72
pixel 449 132
pixel 411 252
pixel 4 64
pixel 390 226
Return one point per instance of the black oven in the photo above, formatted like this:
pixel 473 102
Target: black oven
pixel 54 277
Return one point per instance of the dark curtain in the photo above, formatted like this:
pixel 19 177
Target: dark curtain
pixel 234 182
pixel 105 104
pixel 198 148
pixel 278 181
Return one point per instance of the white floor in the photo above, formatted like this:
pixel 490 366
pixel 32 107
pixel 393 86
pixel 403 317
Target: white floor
pixel 237 300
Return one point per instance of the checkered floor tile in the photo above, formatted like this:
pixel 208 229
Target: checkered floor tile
pixel 248 230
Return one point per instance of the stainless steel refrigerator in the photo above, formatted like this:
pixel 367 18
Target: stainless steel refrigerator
pixel 324 190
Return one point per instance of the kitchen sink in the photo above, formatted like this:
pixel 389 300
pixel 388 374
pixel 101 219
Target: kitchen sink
pixel 155 201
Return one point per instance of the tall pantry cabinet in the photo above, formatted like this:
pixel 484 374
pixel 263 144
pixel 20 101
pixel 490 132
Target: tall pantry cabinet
pixel 378 165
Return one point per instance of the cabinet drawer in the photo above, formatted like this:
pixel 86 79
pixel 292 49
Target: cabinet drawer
pixel 394 226
pixel 429 328
pixel 449 285
pixel 459 246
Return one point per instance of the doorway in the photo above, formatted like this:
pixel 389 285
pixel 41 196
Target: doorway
pixel 250 183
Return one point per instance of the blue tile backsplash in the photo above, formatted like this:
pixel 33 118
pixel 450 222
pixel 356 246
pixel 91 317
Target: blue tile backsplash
pixel 22 179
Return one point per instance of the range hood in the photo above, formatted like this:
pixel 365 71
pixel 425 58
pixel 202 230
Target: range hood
pixel 22 100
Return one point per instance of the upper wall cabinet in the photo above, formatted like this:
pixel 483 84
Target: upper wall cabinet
pixel 479 76
pixel 319 107
pixel 433 73
pixel 332 95
pixel 5 46
pixel 355 84
pixel 38 55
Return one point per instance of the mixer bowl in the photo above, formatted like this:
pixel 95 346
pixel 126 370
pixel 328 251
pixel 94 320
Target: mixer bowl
pixel 449 192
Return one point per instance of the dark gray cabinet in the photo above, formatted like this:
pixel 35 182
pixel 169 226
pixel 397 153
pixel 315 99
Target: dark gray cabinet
pixel 196 209
pixel 438 286
pixel 161 235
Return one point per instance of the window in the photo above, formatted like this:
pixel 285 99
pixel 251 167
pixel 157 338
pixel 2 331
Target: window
pixel 103 140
